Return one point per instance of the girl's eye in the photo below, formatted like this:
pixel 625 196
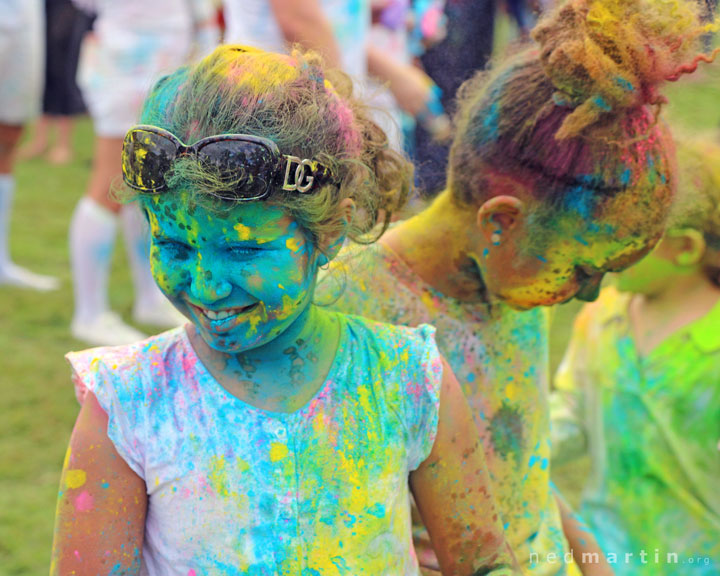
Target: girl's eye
pixel 177 249
pixel 244 250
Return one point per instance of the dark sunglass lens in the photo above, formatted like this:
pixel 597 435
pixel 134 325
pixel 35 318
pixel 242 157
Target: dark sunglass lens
pixel 244 168
pixel 146 159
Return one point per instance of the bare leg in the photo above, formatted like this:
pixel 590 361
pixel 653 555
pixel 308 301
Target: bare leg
pixel 39 140
pixel 92 241
pixel 62 150
pixel 10 273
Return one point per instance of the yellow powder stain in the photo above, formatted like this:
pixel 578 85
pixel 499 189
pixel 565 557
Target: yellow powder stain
pixel 288 307
pixel 281 287
pixel 244 232
pixel 217 478
pixel 278 451
pixel 242 465
pixel 66 462
pixel 512 390
pixel 75 478
pixel 292 244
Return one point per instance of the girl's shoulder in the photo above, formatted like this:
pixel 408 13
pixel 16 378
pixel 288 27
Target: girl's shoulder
pixel 389 339
pixel 381 350
pixel 129 367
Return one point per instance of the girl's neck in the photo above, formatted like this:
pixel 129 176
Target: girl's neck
pixel 284 374
pixel 655 318
pixel 434 244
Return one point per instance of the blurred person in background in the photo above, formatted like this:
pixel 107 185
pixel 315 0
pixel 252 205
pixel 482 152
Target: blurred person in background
pixel 466 48
pixel 21 70
pixel 134 42
pixel 341 32
pixel 65 27
pixel 638 391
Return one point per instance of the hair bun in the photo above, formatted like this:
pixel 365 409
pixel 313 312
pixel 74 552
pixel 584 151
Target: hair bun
pixel 605 56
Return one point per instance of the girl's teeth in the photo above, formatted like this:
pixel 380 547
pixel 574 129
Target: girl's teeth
pixel 217 315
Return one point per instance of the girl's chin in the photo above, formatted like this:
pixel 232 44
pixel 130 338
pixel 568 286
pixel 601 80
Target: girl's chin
pixel 521 303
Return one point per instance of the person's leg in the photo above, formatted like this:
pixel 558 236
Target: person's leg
pixel 10 273
pixel 38 142
pixel 151 307
pixel 61 152
pixel 92 240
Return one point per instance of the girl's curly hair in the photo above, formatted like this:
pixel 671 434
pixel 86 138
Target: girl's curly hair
pixel 307 111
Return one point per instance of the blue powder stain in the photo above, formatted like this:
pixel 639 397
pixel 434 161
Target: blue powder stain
pixel 471 377
pixel 105 485
pixel 625 178
pixel 663 178
pixel 340 564
pixel 485 253
pixel 542 259
pixel 491 121
pixel 624 83
pixel 544 464
pixel 581 240
pixel 532 461
pixel 505 526
pixel 579 200
pixel 600 103
pixel 378 510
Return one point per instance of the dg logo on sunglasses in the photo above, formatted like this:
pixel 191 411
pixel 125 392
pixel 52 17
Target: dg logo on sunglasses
pixel 302 181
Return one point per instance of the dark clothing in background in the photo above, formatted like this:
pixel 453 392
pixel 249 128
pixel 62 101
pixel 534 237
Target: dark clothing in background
pixel 466 49
pixel 66 27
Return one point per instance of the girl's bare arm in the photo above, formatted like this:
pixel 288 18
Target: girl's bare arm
pixel 100 522
pixel 453 493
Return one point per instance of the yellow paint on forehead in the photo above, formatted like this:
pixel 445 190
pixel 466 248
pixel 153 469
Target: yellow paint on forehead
pixel 244 232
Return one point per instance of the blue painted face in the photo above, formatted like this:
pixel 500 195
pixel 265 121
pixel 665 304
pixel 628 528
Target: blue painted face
pixel 241 277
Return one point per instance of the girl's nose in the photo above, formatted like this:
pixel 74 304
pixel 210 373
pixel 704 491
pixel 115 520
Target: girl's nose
pixel 590 288
pixel 205 287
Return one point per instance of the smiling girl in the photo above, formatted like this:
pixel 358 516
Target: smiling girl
pixel 268 436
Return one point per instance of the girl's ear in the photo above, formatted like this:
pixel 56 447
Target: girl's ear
pixel 331 243
pixel 686 245
pixel 499 215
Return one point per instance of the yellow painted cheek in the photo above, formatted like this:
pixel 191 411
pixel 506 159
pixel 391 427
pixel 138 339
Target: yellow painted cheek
pixel 293 245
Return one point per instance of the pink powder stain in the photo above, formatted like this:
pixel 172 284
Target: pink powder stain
pixel 192 573
pixel 77 555
pixel 84 501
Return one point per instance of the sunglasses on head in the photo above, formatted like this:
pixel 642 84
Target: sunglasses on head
pixel 252 166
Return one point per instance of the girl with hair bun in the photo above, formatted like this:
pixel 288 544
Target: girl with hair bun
pixel 638 391
pixel 561 170
pixel 268 436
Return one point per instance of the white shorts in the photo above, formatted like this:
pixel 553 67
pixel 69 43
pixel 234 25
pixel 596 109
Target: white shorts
pixel 118 69
pixel 22 60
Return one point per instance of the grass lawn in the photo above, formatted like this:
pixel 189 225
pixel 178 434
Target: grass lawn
pixel 38 406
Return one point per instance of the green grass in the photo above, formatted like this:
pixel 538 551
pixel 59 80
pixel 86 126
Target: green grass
pixel 38 406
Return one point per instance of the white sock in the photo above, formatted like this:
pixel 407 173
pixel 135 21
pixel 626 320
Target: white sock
pixel 137 243
pixel 92 239
pixel 10 273
pixel 7 188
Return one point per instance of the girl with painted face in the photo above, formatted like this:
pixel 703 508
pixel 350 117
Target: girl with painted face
pixel 268 436
pixel 560 171
pixel 638 390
